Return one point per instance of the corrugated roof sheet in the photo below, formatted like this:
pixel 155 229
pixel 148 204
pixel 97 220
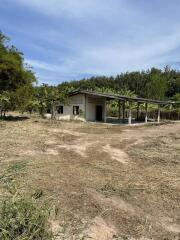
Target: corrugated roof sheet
pixel 119 97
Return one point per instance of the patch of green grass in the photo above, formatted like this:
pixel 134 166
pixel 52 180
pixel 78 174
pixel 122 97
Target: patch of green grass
pixel 11 173
pixel 16 167
pixel 22 218
pixel 109 190
pixel 4 179
pixel 38 193
pixel 125 193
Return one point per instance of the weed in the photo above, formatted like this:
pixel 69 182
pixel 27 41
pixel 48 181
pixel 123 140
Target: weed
pixel 37 194
pixel 22 219
pixel 109 190
pixel 16 167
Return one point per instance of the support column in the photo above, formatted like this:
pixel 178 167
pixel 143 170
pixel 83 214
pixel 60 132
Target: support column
pixel 105 120
pixel 123 110
pixel 119 113
pixel 146 112
pixel 137 116
pixel 85 108
pixel 159 114
pixel 130 114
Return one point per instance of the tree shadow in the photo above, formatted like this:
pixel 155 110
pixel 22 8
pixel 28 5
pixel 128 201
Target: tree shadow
pixel 14 118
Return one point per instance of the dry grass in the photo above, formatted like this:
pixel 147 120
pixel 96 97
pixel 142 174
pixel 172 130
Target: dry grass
pixel 108 182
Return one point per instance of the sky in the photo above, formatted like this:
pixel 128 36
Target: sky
pixel 73 39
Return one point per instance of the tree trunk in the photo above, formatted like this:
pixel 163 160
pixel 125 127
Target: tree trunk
pixel 53 110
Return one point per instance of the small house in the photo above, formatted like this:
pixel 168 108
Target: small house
pixel 84 106
pixel 91 106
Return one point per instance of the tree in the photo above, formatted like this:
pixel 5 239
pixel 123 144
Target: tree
pixel 49 97
pixel 4 103
pixel 157 85
pixel 13 72
pixel 21 97
pixel 176 99
pixel 16 78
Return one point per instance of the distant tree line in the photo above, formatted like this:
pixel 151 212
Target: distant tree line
pixel 19 91
pixel 153 83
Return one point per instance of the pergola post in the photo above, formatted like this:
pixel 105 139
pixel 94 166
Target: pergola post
pixel 130 114
pixel 123 110
pixel 105 111
pixel 137 116
pixel 119 113
pixel 146 112
pixel 159 114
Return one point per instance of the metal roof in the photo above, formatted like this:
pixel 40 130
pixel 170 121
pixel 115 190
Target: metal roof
pixel 120 97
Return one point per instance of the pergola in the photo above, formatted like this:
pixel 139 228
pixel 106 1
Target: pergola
pixel 123 99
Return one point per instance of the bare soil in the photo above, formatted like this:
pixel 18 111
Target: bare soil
pixel 106 182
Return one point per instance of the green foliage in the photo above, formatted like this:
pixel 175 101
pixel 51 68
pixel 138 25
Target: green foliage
pixel 48 97
pixel 22 218
pixel 22 98
pixel 156 87
pixel 122 92
pixel 154 83
pixel 176 99
pixel 4 103
pixel 13 72
pixel 16 167
pixel 16 78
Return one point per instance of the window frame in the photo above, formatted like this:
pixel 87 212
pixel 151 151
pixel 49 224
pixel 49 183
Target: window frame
pixel 76 110
pixel 61 108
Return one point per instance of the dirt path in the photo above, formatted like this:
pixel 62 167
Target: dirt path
pixel 108 182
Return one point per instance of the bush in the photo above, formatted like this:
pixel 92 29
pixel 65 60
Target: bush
pixel 21 218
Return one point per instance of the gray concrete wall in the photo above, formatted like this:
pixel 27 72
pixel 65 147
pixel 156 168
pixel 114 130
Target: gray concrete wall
pixel 91 103
pixel 87 107
pixel 77 100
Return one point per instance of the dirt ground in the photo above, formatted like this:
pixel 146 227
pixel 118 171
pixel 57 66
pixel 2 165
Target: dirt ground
pixel 105 182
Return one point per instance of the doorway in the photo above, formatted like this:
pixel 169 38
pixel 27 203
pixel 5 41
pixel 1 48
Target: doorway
pixel 99 111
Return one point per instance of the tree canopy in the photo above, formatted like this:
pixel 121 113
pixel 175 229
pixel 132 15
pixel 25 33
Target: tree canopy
pixel 153 83
pixel 14 73
pixel 15 76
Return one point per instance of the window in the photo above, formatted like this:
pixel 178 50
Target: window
pixel 60 109
pixel 75 110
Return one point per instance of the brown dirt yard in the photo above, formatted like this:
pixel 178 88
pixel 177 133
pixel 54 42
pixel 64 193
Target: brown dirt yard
pixel 106 182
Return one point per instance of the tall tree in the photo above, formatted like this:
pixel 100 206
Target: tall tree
pixel 14 73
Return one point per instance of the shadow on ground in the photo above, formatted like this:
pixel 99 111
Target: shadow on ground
pixel 14 118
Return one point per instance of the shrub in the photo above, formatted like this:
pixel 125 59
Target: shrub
pixel 22 218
